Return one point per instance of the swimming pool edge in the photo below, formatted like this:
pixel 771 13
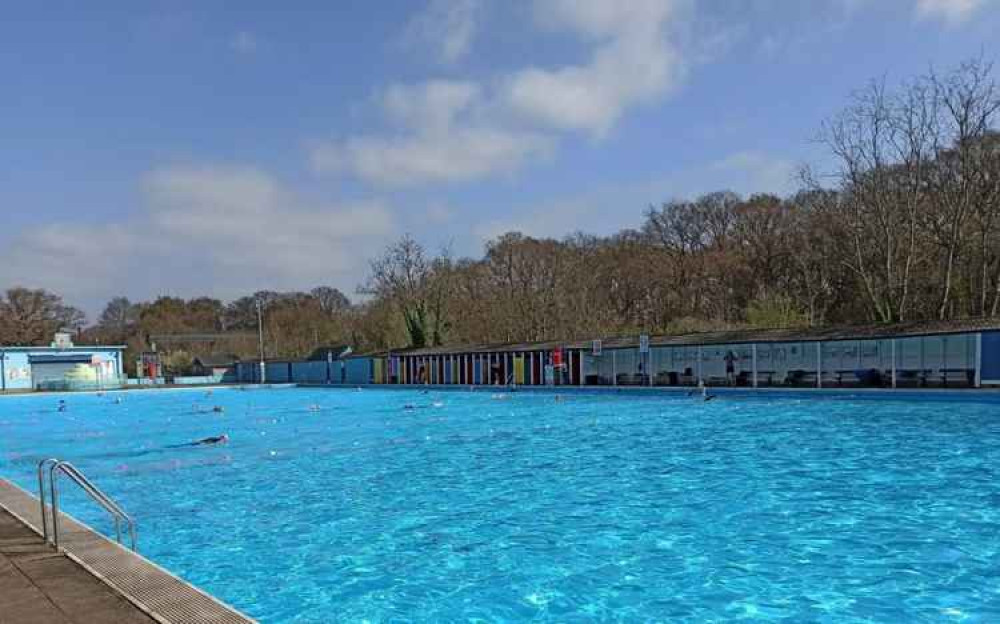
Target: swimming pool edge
pixel 155 591
pixel 972 394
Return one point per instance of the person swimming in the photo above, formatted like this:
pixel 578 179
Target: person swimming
pixel 703 390
pixel 705 396
pixel 62 406
pixel 209 441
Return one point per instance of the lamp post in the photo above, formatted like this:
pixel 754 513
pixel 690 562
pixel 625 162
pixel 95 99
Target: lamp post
pixel 260 339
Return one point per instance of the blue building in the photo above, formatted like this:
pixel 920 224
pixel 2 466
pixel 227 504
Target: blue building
pixel 61 366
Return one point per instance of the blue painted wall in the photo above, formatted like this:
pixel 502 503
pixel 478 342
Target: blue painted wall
pixel 311 372
pixel 359 370
pixel 277 372
pixel 990 357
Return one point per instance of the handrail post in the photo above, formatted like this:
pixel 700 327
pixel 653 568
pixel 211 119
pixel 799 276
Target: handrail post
pixel 54 493
pixel 41 494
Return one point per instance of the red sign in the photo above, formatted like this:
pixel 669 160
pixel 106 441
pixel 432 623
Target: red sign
pixel 557 357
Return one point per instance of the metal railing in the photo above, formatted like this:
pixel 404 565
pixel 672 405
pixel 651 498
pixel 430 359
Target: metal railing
pixel 57 467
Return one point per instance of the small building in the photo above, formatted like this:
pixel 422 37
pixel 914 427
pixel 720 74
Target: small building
pixel 214 365
pixel 61 366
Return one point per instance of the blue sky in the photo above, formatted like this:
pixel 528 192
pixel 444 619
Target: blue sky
pixel 188 148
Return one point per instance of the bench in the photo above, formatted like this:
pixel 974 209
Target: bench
pixel 965 374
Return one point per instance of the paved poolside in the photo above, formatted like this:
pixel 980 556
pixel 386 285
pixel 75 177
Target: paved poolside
pixel 89 584
pixel 41 586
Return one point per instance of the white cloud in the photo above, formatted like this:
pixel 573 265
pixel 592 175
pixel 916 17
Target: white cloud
pixel 448 26
pixel 434 104
pixel 224 230
pixel 243 217
pixel 443 140
pixel 452 131
pixel 953 11
pixel 632 63
pixel 243 42
pixel 453 155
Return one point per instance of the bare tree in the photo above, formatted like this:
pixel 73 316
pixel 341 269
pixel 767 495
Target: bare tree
pixel 964 104
pixel 882 149
pixel 32 316
pixel 402 275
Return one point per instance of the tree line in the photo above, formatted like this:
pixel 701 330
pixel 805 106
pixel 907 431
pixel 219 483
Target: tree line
pixel 905 225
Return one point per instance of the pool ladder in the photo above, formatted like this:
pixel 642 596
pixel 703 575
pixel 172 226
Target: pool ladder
pixel 58 467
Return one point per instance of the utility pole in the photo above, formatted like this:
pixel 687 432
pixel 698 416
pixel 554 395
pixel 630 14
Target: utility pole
pixel 260 340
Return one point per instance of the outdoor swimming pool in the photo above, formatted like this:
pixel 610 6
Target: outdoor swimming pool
pixel 477 507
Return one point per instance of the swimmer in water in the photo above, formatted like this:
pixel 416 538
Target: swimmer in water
pixel 705 396
pixel 411 406
pixel 315 408
pixel 218 409
pixel 62 406
pixel 219 439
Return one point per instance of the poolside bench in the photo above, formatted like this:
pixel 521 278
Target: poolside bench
pixel 666 378
pixel 766 377
pixel 800 377
pixel 908 375
pixel 632 379
pixel 964 374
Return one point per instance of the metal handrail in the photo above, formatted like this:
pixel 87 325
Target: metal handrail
pixel 56 466
pixel 41 494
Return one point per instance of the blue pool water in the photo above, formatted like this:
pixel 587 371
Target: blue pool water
pixel 476 507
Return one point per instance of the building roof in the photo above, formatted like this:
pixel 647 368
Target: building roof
pixel 216 360
pixel 320 354
pixel 78 348
pixel 732 337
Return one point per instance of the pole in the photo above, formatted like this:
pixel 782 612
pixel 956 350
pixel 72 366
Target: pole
pixel 979 360
pixel 894 363
pixel 819 364
pixel 260 339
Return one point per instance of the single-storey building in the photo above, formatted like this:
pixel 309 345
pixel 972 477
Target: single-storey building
pixel 955 353
pixel 61 366
pixel 214 365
